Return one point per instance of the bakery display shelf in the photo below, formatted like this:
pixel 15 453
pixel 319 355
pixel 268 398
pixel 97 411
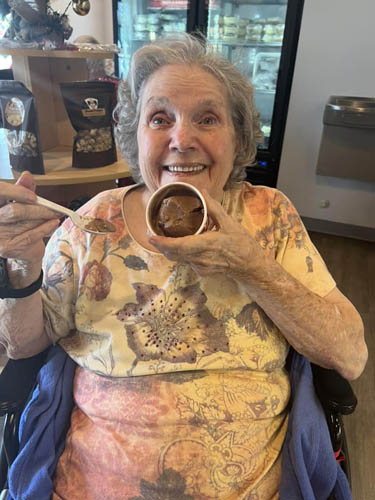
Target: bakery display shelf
pixel 240 43
pixel 59 171
pixel 42 72
pixel 264 91
pixel 167 9
pixel 276 3
pixel 58 54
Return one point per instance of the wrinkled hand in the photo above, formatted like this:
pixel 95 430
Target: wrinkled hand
pixel 22 224
pixel 228 249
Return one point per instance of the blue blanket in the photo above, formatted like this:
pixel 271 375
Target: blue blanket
pixel 309 468
pixel 43 428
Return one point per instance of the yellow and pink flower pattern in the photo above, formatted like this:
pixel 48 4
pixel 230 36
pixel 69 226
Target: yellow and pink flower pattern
pixel 180 389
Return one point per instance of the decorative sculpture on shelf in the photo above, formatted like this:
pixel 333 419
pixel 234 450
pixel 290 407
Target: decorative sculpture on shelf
pixel 36 21
pixel 81 7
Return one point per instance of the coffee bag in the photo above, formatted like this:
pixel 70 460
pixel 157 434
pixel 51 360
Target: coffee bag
pixel 18 118
pixel 89 105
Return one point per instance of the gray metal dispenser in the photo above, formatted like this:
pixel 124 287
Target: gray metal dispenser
pixel 347 147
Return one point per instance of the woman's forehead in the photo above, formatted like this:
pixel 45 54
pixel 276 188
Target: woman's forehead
pixel 172 82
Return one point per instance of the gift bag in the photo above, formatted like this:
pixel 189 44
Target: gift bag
pixel 19 121
pixel 89 105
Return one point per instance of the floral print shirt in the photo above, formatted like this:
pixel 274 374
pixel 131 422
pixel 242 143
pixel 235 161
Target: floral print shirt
pixel 210 422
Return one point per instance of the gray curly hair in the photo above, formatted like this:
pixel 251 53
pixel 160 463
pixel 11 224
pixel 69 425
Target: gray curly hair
pixel 189 50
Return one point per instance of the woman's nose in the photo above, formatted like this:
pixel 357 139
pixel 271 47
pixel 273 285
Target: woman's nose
pixel 183 136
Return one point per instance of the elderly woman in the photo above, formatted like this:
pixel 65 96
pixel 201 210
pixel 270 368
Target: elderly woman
pixel 180 389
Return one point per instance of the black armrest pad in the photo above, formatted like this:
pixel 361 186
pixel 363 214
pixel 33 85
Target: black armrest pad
pixel 334 391
pixel 17 380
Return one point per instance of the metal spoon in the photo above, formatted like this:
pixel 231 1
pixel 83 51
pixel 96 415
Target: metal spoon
pixel 84 222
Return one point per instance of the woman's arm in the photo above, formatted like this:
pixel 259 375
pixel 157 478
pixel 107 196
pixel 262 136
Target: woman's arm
pixel 327 330
pixel 22 230
pixel 22 331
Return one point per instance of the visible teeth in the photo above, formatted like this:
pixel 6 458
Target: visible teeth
pixel 179 168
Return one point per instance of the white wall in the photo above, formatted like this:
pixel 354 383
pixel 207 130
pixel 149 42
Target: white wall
pixel 97 23
pixel 335 56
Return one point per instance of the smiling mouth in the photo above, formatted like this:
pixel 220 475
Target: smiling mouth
pixel 184 168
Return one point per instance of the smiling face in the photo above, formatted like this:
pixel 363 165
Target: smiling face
pixel 185 131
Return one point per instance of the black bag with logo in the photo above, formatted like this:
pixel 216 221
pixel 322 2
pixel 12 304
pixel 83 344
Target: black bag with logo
pixel 18 118
pixel 89 105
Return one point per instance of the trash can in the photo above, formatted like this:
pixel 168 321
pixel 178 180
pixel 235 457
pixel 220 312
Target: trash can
pixel 347 146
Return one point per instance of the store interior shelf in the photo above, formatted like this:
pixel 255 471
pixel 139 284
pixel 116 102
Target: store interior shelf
pixel 58 166
pixel 240 43
pixel 167 9
pixel 59 170
pixel 264 91
pixel 42 72
pixel 62 183
pixel 58 54
pixel 234 43
pixel 263 2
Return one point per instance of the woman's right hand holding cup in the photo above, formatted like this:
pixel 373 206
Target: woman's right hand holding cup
pixel 23 226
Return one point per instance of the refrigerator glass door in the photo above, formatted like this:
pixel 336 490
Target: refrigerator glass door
pixel 250 34
pixel 141 21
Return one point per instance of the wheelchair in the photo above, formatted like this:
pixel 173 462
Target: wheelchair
pixel 18 380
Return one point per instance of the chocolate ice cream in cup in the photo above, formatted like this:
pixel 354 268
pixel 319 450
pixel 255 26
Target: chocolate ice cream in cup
pixel 175 210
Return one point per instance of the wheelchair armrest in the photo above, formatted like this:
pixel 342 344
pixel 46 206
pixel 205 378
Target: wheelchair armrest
pixel 334 391
pixel 17 381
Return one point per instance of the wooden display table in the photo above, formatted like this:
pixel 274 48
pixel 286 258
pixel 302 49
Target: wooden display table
pixel 62 183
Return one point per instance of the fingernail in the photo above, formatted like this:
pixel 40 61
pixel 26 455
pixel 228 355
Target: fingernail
pixel 30 196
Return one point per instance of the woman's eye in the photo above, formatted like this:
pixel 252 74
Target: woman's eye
pixel 158 120
pixel 208 120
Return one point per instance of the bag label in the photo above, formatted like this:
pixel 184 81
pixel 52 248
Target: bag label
pixel 93 108
pixel 15 112
pixel 93 112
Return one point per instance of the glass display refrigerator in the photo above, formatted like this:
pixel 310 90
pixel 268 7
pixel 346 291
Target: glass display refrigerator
pixel 260 37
